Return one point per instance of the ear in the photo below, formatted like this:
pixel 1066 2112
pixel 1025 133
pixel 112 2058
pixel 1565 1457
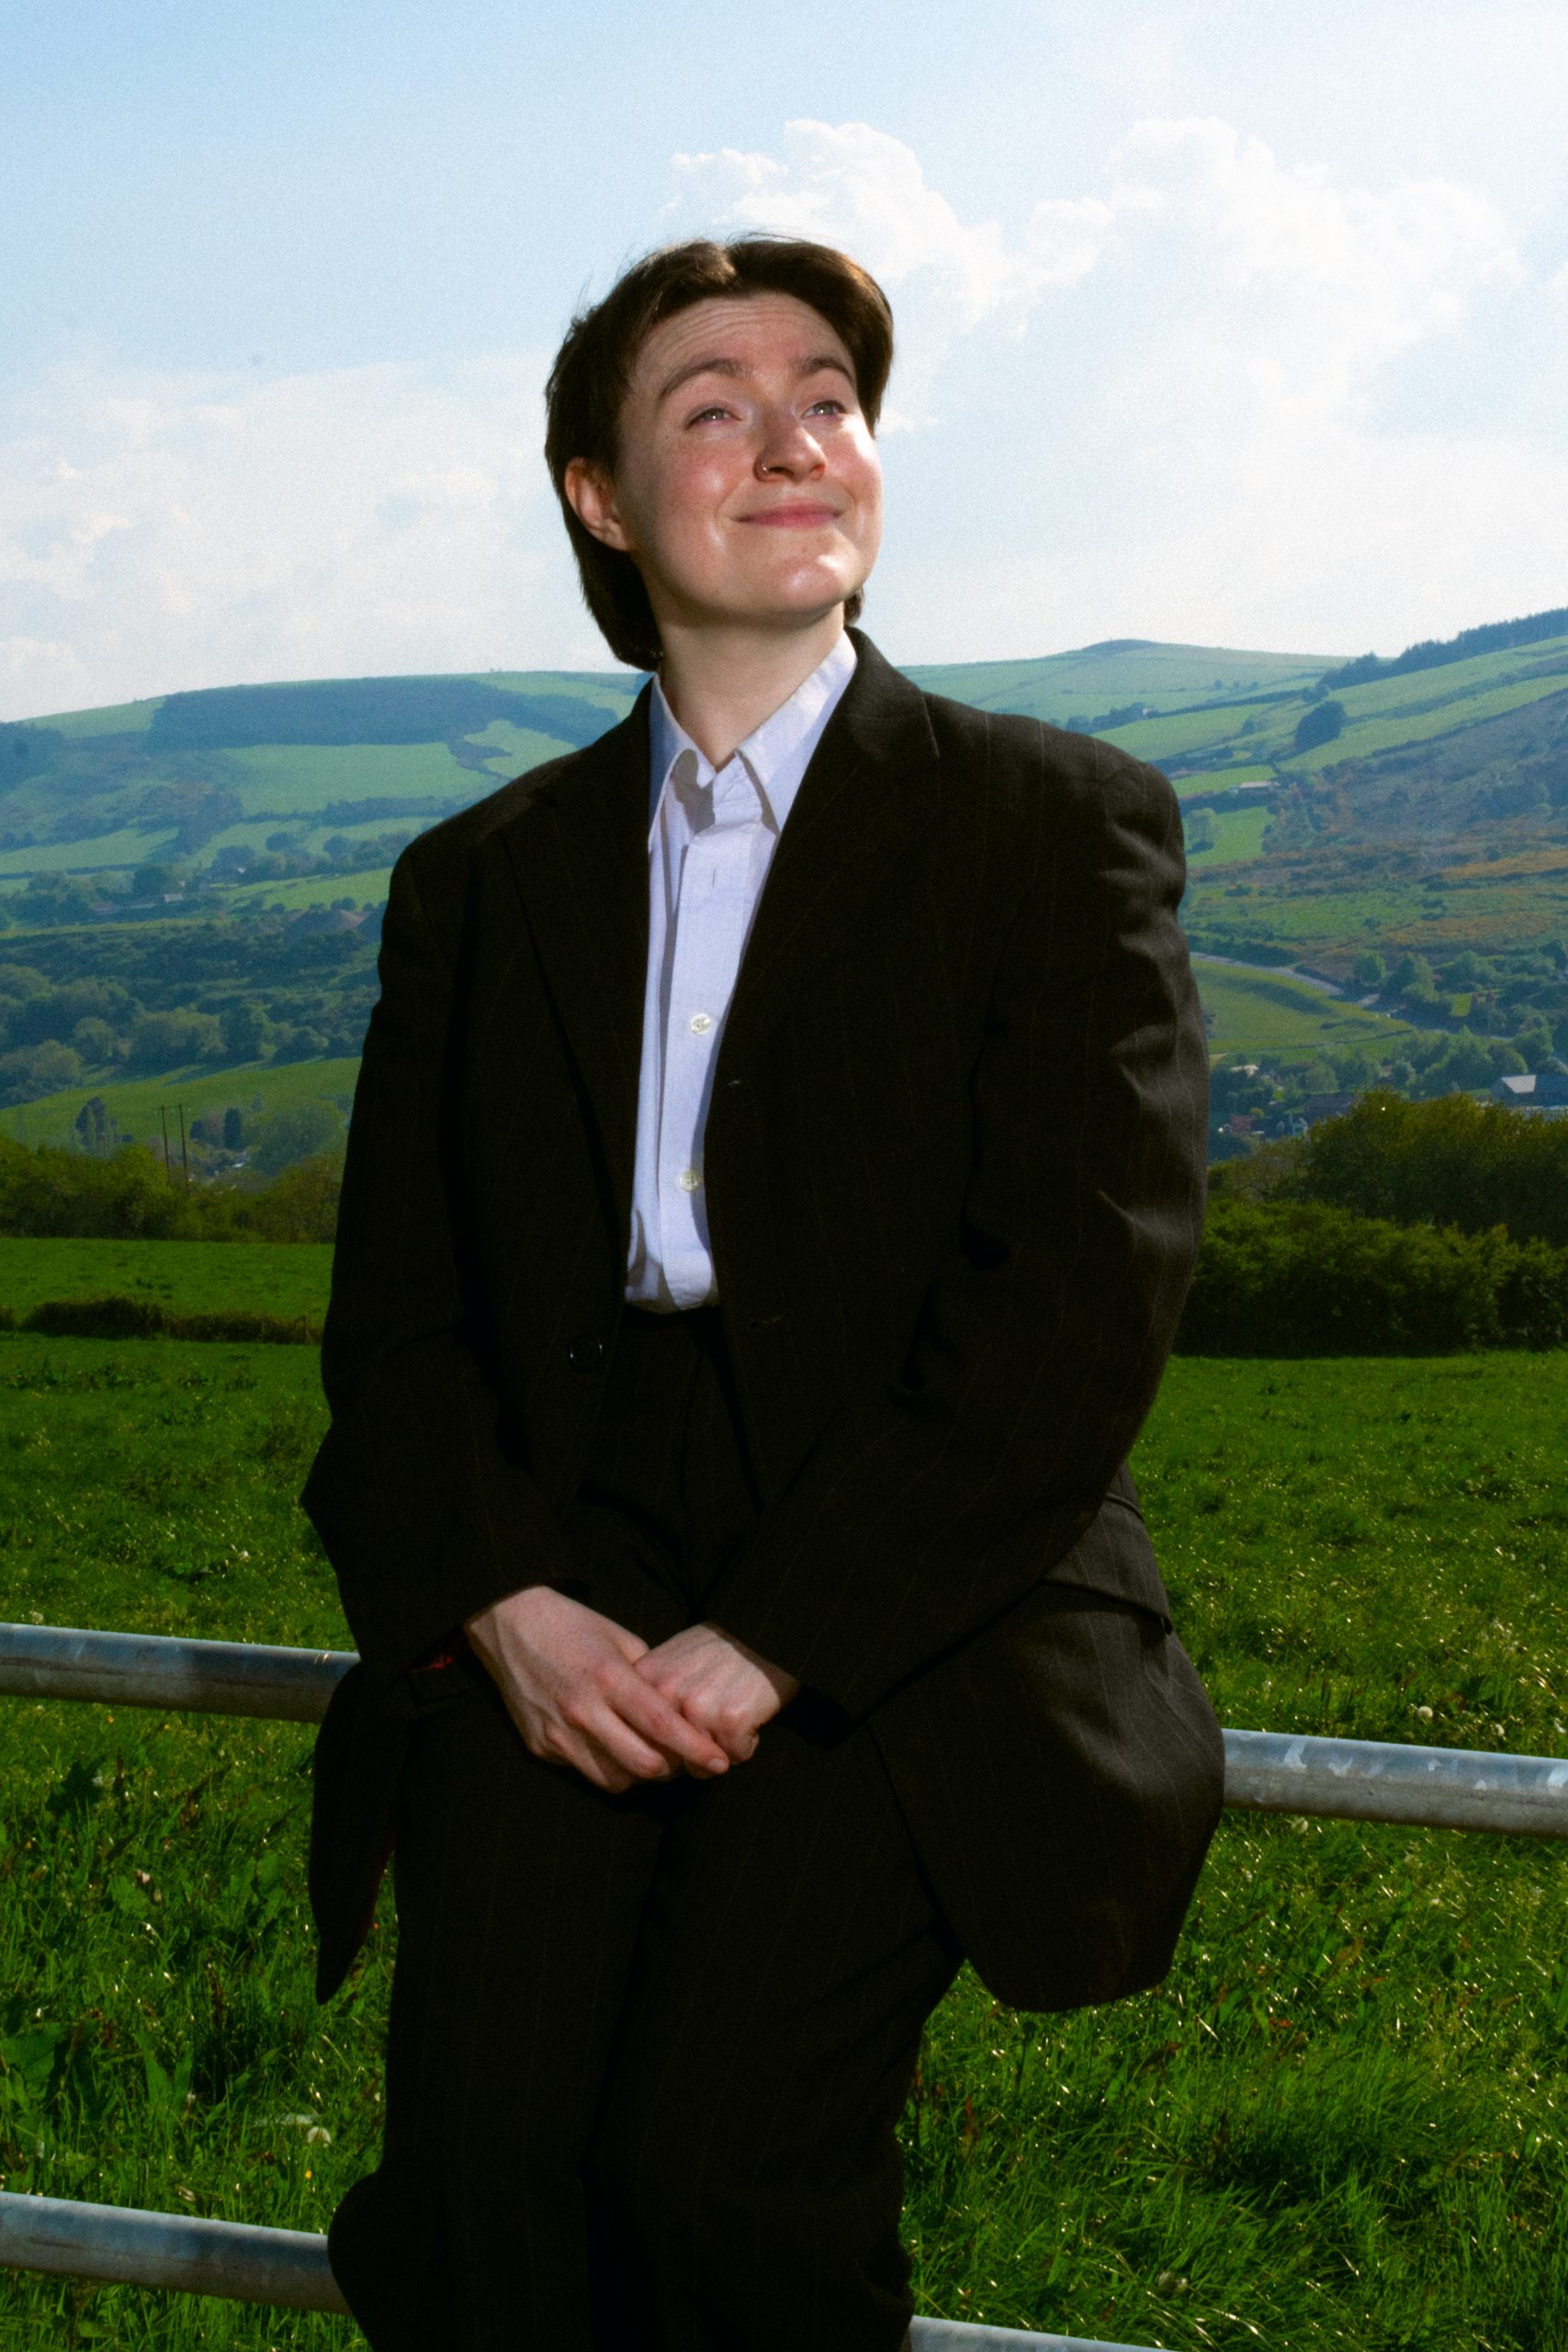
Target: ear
pixel 592 497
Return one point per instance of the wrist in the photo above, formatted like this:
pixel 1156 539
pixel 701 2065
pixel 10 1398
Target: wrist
pixel 527 1603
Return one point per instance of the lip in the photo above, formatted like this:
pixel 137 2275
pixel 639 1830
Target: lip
pixel 802 515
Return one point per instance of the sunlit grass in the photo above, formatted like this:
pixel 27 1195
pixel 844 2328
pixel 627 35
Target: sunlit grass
pixel 1339 2124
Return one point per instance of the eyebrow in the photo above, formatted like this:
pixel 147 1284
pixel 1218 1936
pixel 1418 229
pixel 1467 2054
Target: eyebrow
pixel 717 364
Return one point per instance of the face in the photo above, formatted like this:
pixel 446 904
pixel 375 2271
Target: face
pixel 747 488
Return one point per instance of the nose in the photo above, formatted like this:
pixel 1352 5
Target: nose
pixel 786 447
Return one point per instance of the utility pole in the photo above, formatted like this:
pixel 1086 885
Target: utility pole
pixel 163 1115
pixel 184 1155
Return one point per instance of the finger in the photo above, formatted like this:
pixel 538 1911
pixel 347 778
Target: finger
pixel 600 1765
pixel 730 1711
pixel 644 1757
pixel 651 1714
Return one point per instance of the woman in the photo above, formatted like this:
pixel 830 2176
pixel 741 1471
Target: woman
pixel 745 1300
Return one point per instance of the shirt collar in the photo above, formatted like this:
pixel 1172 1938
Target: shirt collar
pixel 771 753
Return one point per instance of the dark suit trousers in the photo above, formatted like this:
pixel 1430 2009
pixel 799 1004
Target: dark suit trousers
pixel 646 2052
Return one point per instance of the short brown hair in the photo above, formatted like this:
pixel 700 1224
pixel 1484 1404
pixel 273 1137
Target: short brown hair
pixel 593 368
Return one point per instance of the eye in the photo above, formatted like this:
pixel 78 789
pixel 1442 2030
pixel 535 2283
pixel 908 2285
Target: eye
pixel 828 401
pixel 703 413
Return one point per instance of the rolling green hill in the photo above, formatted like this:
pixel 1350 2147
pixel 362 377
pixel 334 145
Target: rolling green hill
pixel 166 867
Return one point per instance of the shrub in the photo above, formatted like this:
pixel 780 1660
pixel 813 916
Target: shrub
pixel 296 1132
pixel 165 1040
pixel 1454 1162
pixel 1299 1279
pixel 107 1318
pixel 113 1317
pixel 34 1070
pixel 1319 725
pixel 74 1194
pixel 301 1204
pixel 245 1030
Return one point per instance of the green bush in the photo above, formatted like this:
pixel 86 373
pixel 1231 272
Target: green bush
pixel 1453 1161
pixel 113 1317
pixel 298 1132
pixel 49 1193
pixel 97 1318
pixel 1296 1278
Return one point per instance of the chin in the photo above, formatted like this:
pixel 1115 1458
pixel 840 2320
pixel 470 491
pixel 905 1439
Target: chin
pixel 803 600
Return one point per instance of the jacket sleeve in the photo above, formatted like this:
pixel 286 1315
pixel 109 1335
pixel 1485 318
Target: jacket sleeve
pixel 426 1514
pixel 923 1513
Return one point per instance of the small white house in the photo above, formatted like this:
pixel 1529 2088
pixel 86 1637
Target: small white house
pixel 1533 1091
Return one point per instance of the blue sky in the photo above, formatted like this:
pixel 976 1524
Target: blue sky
pixel 1218 322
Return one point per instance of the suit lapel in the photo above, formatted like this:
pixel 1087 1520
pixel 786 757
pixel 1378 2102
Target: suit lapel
pixel 579 859
pixel 868 794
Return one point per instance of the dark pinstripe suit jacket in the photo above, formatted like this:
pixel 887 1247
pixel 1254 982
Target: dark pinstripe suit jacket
pixel 953 1167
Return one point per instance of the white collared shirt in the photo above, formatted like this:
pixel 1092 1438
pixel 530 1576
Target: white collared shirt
pixel 711 838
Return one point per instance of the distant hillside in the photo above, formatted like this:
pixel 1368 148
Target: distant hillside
pixel 190 886
pixel 1436 652
pixel 250 785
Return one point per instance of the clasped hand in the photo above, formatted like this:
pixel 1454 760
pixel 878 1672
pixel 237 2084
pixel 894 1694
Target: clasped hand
pixel 584 1691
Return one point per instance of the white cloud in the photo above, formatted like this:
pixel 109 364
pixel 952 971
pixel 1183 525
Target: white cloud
pixel 171 532
pixel 1165 405
pixel 1315 283
pixel 1183 377
pixel 1399 263
pixel 858 187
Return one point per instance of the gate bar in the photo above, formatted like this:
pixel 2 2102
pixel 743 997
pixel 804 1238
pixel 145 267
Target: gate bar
pixel 128 2247
pixel 156 1670
pixel 1266 1771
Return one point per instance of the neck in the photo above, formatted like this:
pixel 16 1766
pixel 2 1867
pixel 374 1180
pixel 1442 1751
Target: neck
pixel 722 683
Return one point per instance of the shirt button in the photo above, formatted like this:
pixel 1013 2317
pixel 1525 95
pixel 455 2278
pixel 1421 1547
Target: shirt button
pixel 689 1179
pixel 701 1021
pixel 583 1354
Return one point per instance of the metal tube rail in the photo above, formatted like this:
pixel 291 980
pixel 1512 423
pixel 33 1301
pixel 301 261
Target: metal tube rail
pixel 177 2251
pixel 1371 1779
pixel 1266 1771
pixel 157 1670
pixel 173 2250
pixel 1352 1780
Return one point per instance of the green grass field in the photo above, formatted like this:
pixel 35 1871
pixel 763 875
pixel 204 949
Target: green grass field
pixel 1266 1012
pixel 1239 835
pixel 1158 739
pixel 126 847
pixel 366 886
pixel 296 778
pixel 1251 1014
pixel 1084 684
pixel 1340 2123
pixel 135 1103
pixel 187 1277
pixel 1373 735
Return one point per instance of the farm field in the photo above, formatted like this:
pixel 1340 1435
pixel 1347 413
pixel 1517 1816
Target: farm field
pixel 135 1103
pixel 1339 2123
pixel 1267 1013
pixel 366 887
pixel 188 1277
pixel 1432 819
pixel 1477 905
pixel 1249 1014
pixel 1238 836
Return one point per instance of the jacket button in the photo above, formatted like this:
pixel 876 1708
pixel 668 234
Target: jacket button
pixel 583 1354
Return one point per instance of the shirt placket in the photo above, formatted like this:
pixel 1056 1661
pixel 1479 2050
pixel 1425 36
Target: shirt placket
pixel 715 905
